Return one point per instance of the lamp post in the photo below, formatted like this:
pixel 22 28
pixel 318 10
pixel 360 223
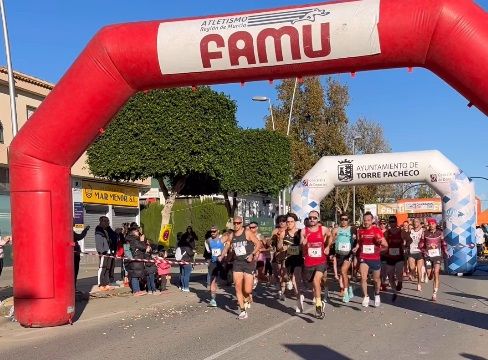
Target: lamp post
pixel 11 84
pixel 357 137
pixel 265 98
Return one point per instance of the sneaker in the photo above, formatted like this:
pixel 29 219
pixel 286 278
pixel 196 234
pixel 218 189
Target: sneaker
pixel 289 285
pixel 281 296
pixel 213 303
pixel 419 287
pixel 350 292
pixel 377 301
pixel 345 297
pixel 366 301
pixel 399 286
pixel 299 305
pixel 243 315
pixel 185 290
pixel 434 297
pixel 319 314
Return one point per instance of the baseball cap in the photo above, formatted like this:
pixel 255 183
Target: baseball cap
pixel 431 221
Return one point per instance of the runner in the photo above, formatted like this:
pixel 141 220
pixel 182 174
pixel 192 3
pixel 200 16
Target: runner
pixel 215 247
pixel 253 227
pixel 415 259
pixel 394 256
pixel 384 276
pixel 315 242
pixel 370 243
pixel 344 240
pixel 294 259
pixel 245 246
pixel 433 247
pixel 279 257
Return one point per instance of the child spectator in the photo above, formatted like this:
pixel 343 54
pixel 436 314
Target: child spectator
pixel 151 270
pixel 164 270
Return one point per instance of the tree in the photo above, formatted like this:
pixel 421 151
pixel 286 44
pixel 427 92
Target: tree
pixel 261 163
pixel 178 136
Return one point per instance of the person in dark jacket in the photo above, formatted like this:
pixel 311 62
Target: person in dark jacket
pixel 151 271
pixel 138 249
pixel 102 241
pixel 187 245
pixel 77 249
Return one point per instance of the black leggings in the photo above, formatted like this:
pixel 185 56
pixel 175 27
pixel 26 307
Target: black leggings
pixel 1 266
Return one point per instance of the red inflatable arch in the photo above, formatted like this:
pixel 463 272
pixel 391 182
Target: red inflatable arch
pixel 449 37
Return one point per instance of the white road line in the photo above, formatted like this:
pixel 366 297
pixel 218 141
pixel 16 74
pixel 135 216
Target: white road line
pixel 254 337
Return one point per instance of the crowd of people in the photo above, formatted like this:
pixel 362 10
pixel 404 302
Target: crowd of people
pixel 296 260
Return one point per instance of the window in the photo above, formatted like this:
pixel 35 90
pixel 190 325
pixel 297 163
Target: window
pixel 1 133
pixel 30 111
pixel 4 180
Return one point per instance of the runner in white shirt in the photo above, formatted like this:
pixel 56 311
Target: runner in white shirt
pixel 415 258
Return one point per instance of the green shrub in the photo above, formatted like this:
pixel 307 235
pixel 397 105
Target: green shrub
pixel 151 221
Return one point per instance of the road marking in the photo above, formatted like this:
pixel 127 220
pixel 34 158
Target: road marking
pixel 254 337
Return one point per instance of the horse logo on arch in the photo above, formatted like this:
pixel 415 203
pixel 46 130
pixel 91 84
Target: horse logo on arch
pixel 310 16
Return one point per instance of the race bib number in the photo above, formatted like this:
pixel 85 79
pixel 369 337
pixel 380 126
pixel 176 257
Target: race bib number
pixel 216 252
pixel 315 252
pixel 293 250
pixel 394 251
pixel 240 250
pixel 368 249
pixel 345 247
pixel 434 252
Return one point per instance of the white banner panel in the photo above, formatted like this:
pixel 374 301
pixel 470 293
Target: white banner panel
pixel 289 36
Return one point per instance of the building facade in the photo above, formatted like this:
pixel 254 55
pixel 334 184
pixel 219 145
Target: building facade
pixel 92 198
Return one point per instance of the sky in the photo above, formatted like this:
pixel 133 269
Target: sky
pixel 417 110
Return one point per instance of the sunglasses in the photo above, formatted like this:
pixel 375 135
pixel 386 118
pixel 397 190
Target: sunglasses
pixel 213 231
pixel 252 227
pixel 313 217
pixel 237 222
pixel 344 219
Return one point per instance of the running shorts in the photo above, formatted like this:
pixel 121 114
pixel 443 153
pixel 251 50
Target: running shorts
pixel 215 269
pixel 342 258
pixel 244 267
pixel 293 262
pixel 310 271
pixel 429 261
pixel 373 265
pixel 415 256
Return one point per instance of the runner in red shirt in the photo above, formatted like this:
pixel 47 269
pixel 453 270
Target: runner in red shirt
pixel 395 255
pixel 434 248
pixel 370 243
pixel 315 241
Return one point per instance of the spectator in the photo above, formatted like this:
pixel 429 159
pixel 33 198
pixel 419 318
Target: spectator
pixel 102 241
pixel 77 249
pixel 480 240
pixel 164 269
pixel 113 239
pixel 138 248
pixel 187 248
pixel 151 270
pixel 3 241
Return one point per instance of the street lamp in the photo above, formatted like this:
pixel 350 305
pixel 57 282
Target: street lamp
pixel 265 98
pixel 357 137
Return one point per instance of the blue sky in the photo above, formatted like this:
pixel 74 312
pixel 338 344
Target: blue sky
pixel 418 111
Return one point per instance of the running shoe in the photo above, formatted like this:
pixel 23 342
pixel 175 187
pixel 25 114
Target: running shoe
pixel 350 292
pixel 213 303
pixel 281 296
pixel 319 312
pixel 185 290
pixel 434 297
pixel 419 287
pixel 299 305
pixel 345 297
pixel 377 301
pixel 243 315
pixel 366 301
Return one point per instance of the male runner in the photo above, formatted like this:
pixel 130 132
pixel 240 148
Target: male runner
pixel 245 246
pixel 215 246
pixel 394 256
pixel 344 240
pixel 315 242
pixel 434 248
pixel 370 243
pixel 279 269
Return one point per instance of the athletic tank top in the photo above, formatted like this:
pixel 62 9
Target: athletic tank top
pixel 395 244
pixel 415 236
pixel 242 247
pixel 314 250
pixel 369 247
pixel 344 240
pixel 216 248
pixel 293 242
pixel 434 244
